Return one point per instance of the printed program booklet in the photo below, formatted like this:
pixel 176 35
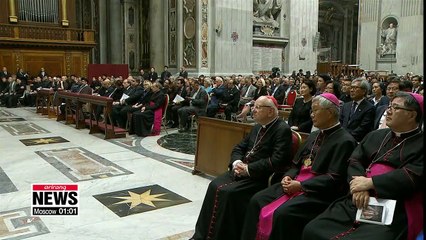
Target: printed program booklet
pixel 379 211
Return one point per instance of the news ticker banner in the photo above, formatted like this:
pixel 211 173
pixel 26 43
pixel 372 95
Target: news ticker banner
pixel 54 199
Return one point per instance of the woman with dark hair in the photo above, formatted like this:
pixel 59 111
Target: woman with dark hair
pixel 378 99
pixel 334 88
pixel 300 116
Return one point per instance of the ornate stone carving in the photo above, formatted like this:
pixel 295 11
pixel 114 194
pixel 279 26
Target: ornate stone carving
pixel 189 27
pixel 172 41
pixel 204 34
pixel 267 30
pixel 265 17
pixel 189 53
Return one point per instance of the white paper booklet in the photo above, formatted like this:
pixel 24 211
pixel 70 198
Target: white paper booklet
pixel 379 211
pixel 178 99
pixel 124 97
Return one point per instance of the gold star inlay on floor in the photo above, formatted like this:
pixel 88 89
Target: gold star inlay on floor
pixel 141 199
pixel 40 141
pixel 145 198
pixel 44 140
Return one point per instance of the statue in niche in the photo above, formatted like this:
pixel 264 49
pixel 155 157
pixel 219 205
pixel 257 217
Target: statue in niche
pixel 302 54
pixel 267 12
pixel 388 44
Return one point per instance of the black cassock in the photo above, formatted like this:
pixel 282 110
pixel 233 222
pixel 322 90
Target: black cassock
pixel 328 152
pixel 405 154
pixel 224 206
pixel 142 121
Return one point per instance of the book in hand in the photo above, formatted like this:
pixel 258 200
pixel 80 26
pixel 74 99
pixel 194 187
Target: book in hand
pixel 379 211
pixel 178 99
pixel 124 97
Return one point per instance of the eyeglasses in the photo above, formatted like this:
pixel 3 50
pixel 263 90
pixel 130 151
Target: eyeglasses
pixel 396 107
pixel 392 88
pixel 356 87
pixel 257 107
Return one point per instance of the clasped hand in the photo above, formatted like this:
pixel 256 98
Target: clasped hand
pixel 359 187
pixel 360 183
pixel 240 170
pixel 290 186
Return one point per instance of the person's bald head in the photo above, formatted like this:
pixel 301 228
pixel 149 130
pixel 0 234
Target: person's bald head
pixel 264 110
pixel 106 83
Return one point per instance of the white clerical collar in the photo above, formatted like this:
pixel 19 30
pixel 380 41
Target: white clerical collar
pixel 325 129
pixel 398 134
pixel 264 126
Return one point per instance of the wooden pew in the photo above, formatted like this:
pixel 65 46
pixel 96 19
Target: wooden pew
pixel 70 99
pixel 44 103
pixel 95 126
pixel 215 140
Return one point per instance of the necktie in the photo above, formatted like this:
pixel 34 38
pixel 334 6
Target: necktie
pixel 354 104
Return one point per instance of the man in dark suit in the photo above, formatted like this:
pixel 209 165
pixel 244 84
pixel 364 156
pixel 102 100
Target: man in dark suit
pixel 120 109
pixel 4 73
pixel 278 91
pixel 23 76
pixel 346 89
pixel 230 100
pixel 183 73
pixel 380 116
pixel 42 73
pixel 8 96
pixel 165 74
pixel 357 116
pixel 176 105
pixel 417 84
pixel 197 105
pixel 152 75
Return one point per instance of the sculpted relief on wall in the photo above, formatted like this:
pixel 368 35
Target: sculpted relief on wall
pixel 265 17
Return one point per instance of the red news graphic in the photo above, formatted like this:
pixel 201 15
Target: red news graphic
pixel 54 199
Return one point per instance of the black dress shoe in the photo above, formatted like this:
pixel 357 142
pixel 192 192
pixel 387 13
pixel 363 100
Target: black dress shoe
pixel 174 126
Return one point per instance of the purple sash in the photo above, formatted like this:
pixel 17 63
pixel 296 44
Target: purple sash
pixel 264 227
pixel 158 115
pixel 413 205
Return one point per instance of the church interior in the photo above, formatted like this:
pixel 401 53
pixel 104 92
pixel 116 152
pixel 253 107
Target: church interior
pixel 153 186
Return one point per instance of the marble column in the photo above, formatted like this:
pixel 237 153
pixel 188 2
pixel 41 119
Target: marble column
pixel 156 41
pixel 115 32
pixel 103 41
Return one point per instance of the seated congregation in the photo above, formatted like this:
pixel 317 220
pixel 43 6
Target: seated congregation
pixel 363 144
pixel 329 179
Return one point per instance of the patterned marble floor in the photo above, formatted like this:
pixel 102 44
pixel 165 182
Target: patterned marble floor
pixel 129 188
